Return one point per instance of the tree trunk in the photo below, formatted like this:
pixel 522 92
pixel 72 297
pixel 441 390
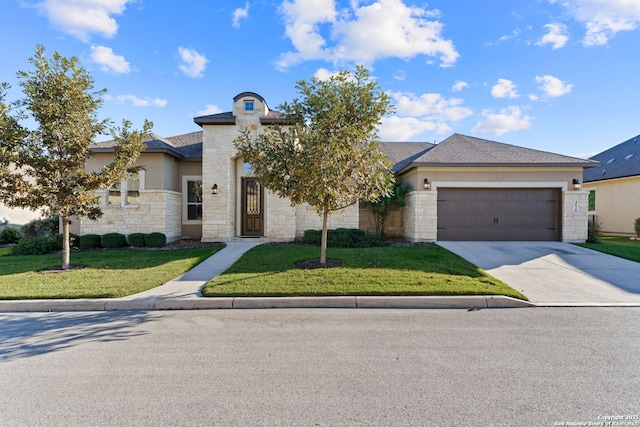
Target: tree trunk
pixel 323 241
pixel 65 243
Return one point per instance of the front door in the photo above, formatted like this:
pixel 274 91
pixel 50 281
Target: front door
pixel 252 209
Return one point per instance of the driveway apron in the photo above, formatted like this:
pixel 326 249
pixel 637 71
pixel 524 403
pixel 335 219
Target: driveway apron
pixel 556 273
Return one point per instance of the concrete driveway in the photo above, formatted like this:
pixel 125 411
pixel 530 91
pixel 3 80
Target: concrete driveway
pixel 555 273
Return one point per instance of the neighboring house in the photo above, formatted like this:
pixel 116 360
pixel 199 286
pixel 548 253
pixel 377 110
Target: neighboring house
pixel 615 184
pixel 464 188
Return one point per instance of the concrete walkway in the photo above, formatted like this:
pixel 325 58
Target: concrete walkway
pixel 556 273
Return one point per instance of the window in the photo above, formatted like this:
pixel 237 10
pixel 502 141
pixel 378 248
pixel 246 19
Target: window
pixel 592 200
pixel 248 105
pixel 125 192
pixel 192 192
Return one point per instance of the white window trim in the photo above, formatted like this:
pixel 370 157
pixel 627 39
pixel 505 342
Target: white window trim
pixel 124 192
pixel 185 199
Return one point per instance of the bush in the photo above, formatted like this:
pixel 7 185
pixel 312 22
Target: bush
pixel 375 240
pixel 35 246
pixel 346 238
pixel 114 240
pixel 42 227
pixel 136 240
pixel 10 235
pixel 74 241
pixel 89 241
pixel 593 232
pixel 155 240
pixel 311 237
pixel 637 226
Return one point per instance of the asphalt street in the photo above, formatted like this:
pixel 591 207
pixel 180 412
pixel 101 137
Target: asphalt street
pixel 511 367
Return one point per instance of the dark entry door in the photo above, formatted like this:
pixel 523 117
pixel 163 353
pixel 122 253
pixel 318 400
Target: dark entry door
pixel 499 214
pixel 252 208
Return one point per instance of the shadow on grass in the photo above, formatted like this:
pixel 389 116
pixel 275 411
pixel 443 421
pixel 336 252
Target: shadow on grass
pixel 31 334
pixel 123 259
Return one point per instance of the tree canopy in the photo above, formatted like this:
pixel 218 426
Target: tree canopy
pixel 327 154
pixel 44 168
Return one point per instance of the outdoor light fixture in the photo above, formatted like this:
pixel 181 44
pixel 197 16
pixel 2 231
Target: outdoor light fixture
pixel 576 184
pixel 214 189
pixel 427 184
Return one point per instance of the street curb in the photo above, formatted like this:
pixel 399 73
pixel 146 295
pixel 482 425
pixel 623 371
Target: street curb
pixel 221 303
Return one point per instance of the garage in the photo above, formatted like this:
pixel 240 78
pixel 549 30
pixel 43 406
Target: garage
pixel 502 214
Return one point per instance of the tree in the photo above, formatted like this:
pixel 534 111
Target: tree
pixel 326 155
pixel 382 208
pixel 44 169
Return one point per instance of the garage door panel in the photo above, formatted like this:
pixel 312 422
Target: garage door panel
pixel 498 214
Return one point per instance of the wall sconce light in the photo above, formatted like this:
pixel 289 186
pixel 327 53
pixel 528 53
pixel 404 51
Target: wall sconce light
pixel 576 184
pixel 214 189
pixel 426 185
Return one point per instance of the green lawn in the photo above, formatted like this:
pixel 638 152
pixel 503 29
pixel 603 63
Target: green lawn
pixel 417 270
pixel 622 247
pixel 106 274
pixel 5 251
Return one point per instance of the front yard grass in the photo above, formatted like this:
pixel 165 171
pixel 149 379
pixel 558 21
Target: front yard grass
pixel 622 247
pixel 416 270
pixel 105 274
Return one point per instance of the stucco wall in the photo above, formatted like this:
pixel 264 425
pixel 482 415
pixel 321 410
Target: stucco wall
pixel 617 203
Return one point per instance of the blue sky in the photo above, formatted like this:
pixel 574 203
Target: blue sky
pixel 554 75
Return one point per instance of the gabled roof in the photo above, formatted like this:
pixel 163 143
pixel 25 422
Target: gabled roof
pixel 462 150
pixel 400 154
pixel 620 161
pixel 183 147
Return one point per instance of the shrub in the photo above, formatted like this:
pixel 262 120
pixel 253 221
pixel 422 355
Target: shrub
pixel 346 238
pixel 311 237
pixel 593 232
pixel 136 240
pixel 10 235
pixel 74 241
pixel 374 240
pixel 114 240
pixel 155 240
pixel 35 246
pixel 42 227
pixel 637 226
pixel 89 241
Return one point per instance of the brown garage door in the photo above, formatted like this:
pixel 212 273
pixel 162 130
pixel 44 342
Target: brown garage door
pixel 499 214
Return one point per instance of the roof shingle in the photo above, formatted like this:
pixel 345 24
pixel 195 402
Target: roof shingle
pixel 620 161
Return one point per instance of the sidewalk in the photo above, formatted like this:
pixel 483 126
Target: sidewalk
pixel 183 293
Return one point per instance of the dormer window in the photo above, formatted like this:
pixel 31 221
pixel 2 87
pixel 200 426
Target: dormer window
pixel 248 105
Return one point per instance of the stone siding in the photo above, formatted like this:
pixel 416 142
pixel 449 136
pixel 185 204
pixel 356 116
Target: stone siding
pixel 575 206
pixel 158 211
pixel 308 219
pixel 421 216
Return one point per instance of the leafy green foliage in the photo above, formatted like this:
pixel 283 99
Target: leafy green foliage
pixel 344 238
pixel 382 208
pixel 74 241
pixel 136 240
pixel 42 227
pixel 90 241
pixel 155 240
pixel 113 240
pixel 35 246
pixel 44 169
pixel 593 232
pixel 327 156
pixel 10 235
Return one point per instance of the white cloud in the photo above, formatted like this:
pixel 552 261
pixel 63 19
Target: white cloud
pixel 553 86
pixel 506 120
pixel 400 31
pixel 430 105
pixel 108 60
pixel 556 37
pixel 504 89
pixel 193 63
pixel 140 102
pixel 80 18
pixel 323 74
pixel 459 85
pixel 604 18
pixel 239 14
pixel 396 129
pixel 208 110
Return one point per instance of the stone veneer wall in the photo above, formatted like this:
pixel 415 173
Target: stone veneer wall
pixel 158 211
pixel 575 206
pixel 421 216
pixel 308 219
pixel 279 217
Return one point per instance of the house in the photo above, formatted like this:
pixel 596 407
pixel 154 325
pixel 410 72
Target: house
pixel 615 187
pixel 464 188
